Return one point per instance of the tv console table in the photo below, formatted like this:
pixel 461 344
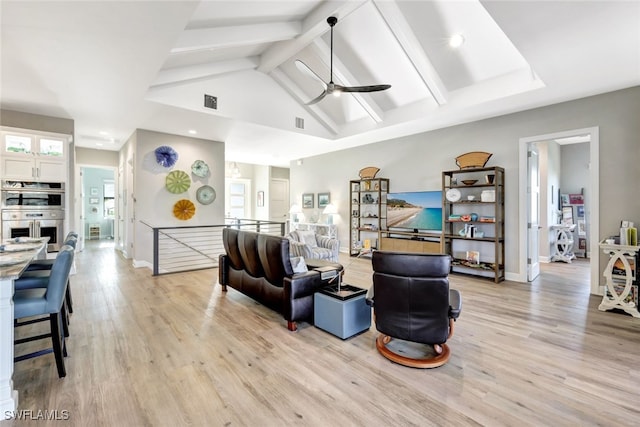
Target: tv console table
pixel 407 241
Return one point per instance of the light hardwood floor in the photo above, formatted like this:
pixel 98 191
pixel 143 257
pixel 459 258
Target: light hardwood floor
pixel 174 350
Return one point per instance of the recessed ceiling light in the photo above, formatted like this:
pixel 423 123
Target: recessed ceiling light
pixel 99 144
pixel 192 132
pixel 103 133
pixel 456 41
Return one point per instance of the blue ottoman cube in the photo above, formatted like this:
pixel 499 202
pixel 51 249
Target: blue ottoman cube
pixel 342 318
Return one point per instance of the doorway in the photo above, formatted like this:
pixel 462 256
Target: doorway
pixel 591 204
pixel 98 205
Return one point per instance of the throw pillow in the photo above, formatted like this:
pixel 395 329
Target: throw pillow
pixel 308 237
pixel 298 264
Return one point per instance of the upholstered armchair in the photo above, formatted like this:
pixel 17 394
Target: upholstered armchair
pixel 309 245
pixel 412 302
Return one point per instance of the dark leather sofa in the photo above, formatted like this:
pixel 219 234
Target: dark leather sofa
pixel 258 265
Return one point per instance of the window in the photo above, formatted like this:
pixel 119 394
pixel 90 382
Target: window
pixel 237 198
pixel 109 199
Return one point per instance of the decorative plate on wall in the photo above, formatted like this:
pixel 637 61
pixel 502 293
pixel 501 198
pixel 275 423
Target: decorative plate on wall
pixel 206 194
pixel 178 182
pixel 200 168
pixel 166 156
pixel 184 209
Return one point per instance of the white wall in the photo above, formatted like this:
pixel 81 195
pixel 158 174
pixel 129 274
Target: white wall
pixel 416 162
pixel 153 203
pixel 92 157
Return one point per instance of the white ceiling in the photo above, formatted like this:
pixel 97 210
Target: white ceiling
pixel 114 66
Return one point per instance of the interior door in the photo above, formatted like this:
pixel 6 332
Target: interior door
pixel 533 213
pixel 279 200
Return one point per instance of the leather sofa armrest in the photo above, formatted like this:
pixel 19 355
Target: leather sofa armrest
pixel 298 295
pixel 301 284
pixel 455 303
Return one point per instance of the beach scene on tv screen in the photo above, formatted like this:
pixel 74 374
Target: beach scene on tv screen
pixel 420 210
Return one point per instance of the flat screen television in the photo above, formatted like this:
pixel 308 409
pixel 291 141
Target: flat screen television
pixel 415 210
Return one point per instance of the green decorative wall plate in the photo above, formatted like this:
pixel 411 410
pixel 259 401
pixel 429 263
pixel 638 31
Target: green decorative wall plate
pixel 178 182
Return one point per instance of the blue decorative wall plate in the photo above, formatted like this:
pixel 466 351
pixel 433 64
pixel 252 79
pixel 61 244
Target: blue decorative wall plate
pixel 166 156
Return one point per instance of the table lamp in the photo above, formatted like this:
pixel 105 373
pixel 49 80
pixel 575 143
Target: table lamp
pixel 294 211
pixel 330 210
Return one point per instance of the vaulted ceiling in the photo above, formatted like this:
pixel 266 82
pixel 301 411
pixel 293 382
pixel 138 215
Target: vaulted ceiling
pixel 117 66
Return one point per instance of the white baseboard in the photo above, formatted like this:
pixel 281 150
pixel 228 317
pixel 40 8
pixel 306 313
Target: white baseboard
pixel 142 264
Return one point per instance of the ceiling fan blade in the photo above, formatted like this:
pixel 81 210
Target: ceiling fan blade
pixel 309 72
pixel 318 98
pixel 372 88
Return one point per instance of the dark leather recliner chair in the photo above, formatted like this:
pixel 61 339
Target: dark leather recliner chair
pixel 412 302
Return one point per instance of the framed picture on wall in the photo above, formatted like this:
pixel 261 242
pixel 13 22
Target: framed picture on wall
pixel 582 227
pixel 324 199
pixel 576 199
pixel 307 201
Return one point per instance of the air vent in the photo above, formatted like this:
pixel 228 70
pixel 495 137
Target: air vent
pixel 211 101
pixel 299 123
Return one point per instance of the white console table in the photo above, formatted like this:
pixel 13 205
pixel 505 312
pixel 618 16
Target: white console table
pixel 619 292
pixel 563 244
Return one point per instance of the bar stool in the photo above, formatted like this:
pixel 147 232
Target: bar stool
pixel 45 264
pixel 37 273
pixel 49 301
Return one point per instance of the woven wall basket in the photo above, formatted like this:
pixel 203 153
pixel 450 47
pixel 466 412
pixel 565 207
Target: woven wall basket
pixel 368 172
pixel 474 159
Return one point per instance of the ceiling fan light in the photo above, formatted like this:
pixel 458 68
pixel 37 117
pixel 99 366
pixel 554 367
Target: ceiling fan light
pixel 337 93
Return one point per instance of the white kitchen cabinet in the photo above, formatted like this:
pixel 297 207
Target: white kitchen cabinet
pixel 34 156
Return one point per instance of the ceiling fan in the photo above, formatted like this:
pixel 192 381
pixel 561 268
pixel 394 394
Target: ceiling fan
pixel 331 87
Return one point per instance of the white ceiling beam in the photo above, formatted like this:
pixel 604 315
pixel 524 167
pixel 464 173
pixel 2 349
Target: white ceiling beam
pixel 288 85
pixel 233 36
pixel 192 72
pixel 400 28
pixel 342 74
pixel 313 26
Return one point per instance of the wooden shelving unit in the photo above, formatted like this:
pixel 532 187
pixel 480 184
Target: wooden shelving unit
pixel 473 221
pixel 368 208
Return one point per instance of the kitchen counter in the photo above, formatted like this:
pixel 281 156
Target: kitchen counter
pixel 16 258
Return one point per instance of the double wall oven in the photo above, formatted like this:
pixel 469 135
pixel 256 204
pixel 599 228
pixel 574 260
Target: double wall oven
pixel 33 209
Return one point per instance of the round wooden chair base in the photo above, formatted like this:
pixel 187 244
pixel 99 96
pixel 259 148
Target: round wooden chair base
pixel 428 362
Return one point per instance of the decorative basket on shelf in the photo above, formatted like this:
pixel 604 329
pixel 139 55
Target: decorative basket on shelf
pixel 368 172
pixel 473 159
